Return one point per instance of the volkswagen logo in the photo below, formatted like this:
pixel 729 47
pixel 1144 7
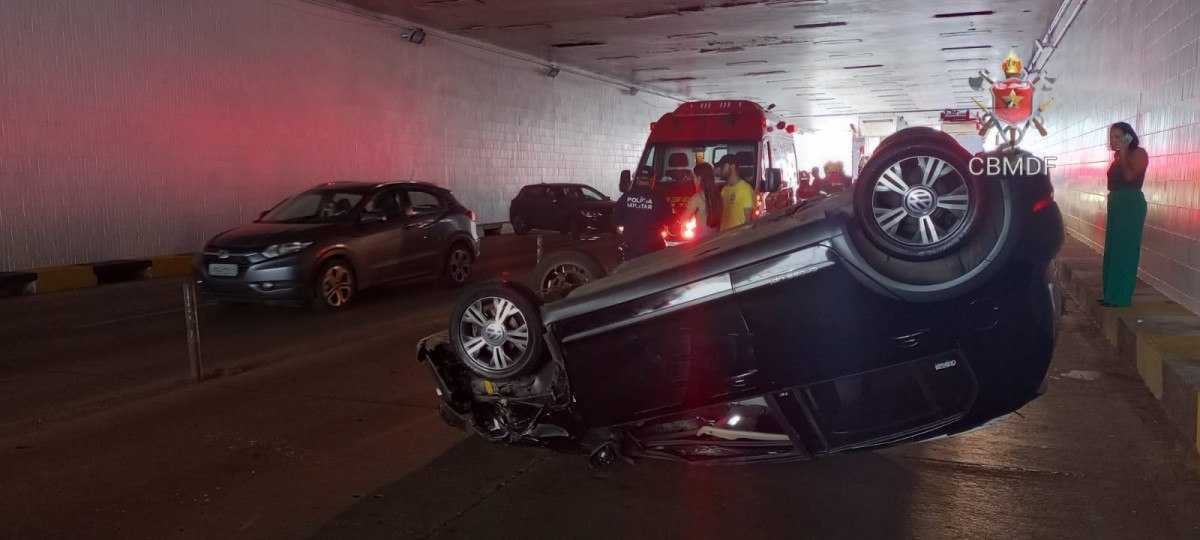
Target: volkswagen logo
pixel 223 254
pixel 494 334
pixel 920 201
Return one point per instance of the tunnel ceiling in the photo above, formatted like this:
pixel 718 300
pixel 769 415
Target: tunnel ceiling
pixel 809 57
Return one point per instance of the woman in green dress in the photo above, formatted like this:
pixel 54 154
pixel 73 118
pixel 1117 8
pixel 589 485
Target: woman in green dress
pixel 1126 215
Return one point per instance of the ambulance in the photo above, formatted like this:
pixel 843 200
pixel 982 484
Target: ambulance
pixel 762 144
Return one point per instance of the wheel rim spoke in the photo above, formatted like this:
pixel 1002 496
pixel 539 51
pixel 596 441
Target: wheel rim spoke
pixel 474 315
pixel 504 309
pixel 932 169
pixel 500 359
pixel 929 232
pixel 891 180
pixel 473 346
pixel 889 220
pixel 519 338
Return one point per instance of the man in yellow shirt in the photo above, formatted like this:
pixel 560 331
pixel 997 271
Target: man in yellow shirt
pixel 737 197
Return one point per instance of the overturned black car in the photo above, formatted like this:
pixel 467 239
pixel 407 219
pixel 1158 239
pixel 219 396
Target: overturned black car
pixel 918 306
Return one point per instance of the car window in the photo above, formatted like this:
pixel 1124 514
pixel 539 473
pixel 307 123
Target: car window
pixel 535 191
pixel 424 201
pixel 314 207
pixel 390 203
pixel 592 195
pixel 554 192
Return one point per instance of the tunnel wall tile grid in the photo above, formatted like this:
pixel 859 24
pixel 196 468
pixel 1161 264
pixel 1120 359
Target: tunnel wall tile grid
pixel 132 129
pixel 1137 62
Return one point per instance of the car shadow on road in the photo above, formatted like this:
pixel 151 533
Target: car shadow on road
pixel 478 489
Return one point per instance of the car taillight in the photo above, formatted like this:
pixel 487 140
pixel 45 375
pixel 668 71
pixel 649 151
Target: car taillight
pixel 471 215
pixel 689 229
pixel 1043 203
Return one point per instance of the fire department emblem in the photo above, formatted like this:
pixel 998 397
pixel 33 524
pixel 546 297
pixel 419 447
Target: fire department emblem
pixel 1012 101
pixel 1012 111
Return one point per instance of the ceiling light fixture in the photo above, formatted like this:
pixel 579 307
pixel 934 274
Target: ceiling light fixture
pixel 570 44
pixel 963 14
pixel 526 26
pixel 966 47
pixel 819 25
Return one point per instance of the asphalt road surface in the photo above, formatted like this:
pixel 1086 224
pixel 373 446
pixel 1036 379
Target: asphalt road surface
pixel 325 425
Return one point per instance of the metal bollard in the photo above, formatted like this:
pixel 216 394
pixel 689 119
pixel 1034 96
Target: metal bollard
pixel 539 250
pixel 191 317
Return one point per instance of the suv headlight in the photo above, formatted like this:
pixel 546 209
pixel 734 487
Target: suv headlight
pixel 279 250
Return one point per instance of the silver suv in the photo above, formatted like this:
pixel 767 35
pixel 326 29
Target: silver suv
pixel 324 245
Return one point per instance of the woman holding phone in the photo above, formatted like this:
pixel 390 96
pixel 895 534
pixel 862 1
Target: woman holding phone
pixel 1126 215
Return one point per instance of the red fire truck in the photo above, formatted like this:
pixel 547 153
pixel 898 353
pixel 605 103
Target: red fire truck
pixel 704 132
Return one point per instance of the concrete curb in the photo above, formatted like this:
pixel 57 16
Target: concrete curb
pixel 81 276
pixel 1160 337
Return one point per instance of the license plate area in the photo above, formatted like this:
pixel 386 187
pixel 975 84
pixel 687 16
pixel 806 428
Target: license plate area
pixel 223 270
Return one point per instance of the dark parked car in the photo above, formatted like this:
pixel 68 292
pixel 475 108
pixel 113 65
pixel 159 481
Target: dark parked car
pixel 574 209
pixel 326 244
pixel 917 306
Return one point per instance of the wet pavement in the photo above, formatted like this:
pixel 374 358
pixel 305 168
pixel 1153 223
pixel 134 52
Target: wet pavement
pixel 325 426
pixel 1093 458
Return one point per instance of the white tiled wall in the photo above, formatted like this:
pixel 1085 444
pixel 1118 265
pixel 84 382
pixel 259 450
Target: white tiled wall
pixel 1139 62
pixel 129 129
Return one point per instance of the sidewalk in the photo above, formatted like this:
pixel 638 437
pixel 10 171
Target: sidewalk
pixel 1157 335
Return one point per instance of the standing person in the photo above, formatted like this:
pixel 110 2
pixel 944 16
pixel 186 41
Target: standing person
pixel 817 181
pixel 1126 215
pixel 835 176
pixel 642 215
pixel 737 197
pixel 705 204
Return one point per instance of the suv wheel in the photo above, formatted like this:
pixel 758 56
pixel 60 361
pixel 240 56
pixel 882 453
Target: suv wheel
pixel 496 331
pixel 458 265
pixel 335 285
pixel 560 273
pixel 519 225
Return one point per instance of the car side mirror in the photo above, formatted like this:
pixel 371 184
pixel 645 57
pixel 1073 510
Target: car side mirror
pixel 372 217
pixel 774 180
pixel 626 181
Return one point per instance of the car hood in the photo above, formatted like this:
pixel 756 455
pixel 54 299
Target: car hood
pixel 261 235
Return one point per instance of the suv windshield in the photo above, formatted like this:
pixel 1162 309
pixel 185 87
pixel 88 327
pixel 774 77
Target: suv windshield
pixel 324 206
pixel 583 193
pixel 674 162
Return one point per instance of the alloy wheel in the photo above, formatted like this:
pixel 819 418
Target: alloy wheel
pixel 494 333
pixel 458 267
pixel 566 276
pixel 337 286
pixel 921 201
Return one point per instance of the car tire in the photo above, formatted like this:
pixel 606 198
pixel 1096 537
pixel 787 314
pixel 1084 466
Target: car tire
pixel 456 269
pixel 519 225
pixel 496 330
pixel 563 271
pixel 919 201
pixel 935 246
pixel 335 286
